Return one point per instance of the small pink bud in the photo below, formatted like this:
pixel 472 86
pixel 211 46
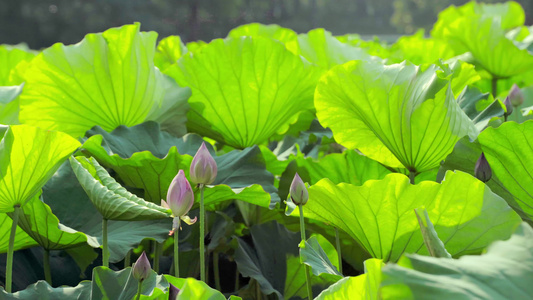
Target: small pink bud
pixel 141 268
pixel 203 167
pixel 180 196
pixel 508 106
pixel 516 96
pixel 298 190
pixel 172 292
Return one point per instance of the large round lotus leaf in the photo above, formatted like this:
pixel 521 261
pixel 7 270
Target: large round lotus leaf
pixel 29 156
pixel 107 79
pixel 380 214
pixel 398 115
pixel 244 90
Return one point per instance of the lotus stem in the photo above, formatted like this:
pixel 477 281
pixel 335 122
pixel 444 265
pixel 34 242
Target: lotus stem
pixel 338 243
pixel 139 289
pixel 158 247
pixel 412 175
pixel 9 267
pixel 494 85
pixel 236 279
pixel 105 249
pixel 46 266
pixel 302 230
pixel 176 254
pixel 202 234
pixel 216 271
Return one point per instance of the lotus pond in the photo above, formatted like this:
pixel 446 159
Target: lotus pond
pixel 291 166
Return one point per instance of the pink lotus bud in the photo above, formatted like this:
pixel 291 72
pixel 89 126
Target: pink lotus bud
pixel 141 268
pixel 508 106
pixel 173 292
pixel 482 169
pixel 298 190
pixel 180 196
pixel 203 167
pixel 516 96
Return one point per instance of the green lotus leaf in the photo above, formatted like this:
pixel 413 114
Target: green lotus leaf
pixel 479 107
pixel 29 156
pixel 108 79
pixel 313 255
pixel 9 104
pixel 273 31
pixel 420 50
pixel 481 30
pixel 108 284
pixel 322 48
pixel 374 47
pixel 245 90
pixel 146 158
pixel 508 151
pixel 22 239
pixel 380 214
pixel 38 221
pixel 431 238
pixel 364 286
pixel 112 200
pixel 168 51
pixel 296 284
pixel 42 290
pixel 10 57
pixel 191 288
pixel 398 115
pixel 503 272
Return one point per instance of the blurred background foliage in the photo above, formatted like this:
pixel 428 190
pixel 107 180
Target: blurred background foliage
pixel 40 23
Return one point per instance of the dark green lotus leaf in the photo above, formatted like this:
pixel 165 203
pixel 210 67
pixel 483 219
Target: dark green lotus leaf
pixel 296 284
pixel 81 215
pixel 265 260
pixel 273 31
pixel 43 291
pixel 313 255
pixel 244 90
pixel 38 221
pixel 29 156
pixel 108 79
pixel 503 272
pixel 508 151
pixel 380 214
pixel 22 239
pixel 479 107
pixel 364 286
pixel 146 158
pixel 398 115
pixel 112 200
pixel 322 48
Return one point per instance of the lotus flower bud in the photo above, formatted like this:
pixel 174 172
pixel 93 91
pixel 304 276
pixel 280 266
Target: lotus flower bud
pixel 203 167
pixel 516 96
pixel 298 190
pixel 482 170
pixel 508 106
pixel 141 268
pixel 172 292
pixel 180 199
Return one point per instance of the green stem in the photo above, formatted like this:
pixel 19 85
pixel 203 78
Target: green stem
pixel 505 117
pixel 258 294
pixel 302 230
pixel 139 289
pixel 176 254
pixel 412 175
pixel 158 248
pixel 216 271
pixel 494 84
pixel 202 234
pixel 236 279
pixel 127 259
pixel 9 267
pixel 46 266
pixel 338 243
pixel 105 250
